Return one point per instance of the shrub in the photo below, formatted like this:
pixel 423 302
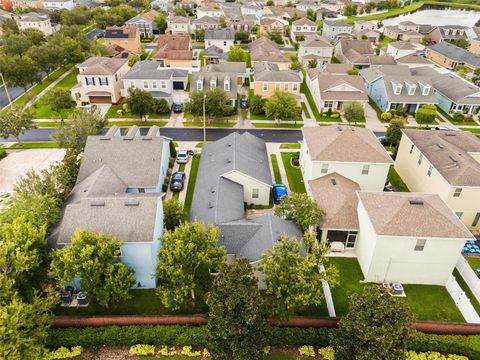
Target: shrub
pixel 354 112
pixel 187 351
pixel 306 351
pixel 468 118
pixel 257 105
pixel 167 350
pixel 3 153
pixel 412 355
pixel 399 111
pixel 426 114
pixel 335 115
pixel 327 353
pixel 386 116
pixel 142 350
pixel 458 116
pixel 64 353
pixel 161 106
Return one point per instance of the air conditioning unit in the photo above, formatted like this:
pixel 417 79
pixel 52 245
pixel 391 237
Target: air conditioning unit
pixel 397 289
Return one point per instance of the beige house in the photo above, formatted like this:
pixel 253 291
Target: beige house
pixel 285 13
pixel 409 238
pixel 474 47
pixel 35 21
pixel 178 25
pixel 271 24
pixel 100 80
pixel 446 163
pixel 302 27
pixel 406 31
pixel 264 49
pixel 269 78
pixel 127 37
pixel 174 51
pixel 315 48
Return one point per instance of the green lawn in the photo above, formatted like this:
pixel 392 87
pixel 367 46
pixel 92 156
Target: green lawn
pixel 335 60
pixel 396 180
pixel 306 91
pixel 385 41
pixel 474 262
pixel 277 125
pixel 294 175
pixel 244 113
pixel 305 110
pixel 276 170
pixel 137 123
pixel 258 117
pixel 143 302
pixel 45 124
pixel 112 113
pixel 223 124
pixel 35 145
pixel 472 130
pixel 333 117
pixel 290 146
pixel 191 182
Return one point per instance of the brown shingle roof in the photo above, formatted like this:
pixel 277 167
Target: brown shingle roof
pixel 264 49
pixel 101 66
pixel 304 21
pixel 150 15
pixel 449 153
pixel 412 215
pixel 337 68
pixel 342 87
pixel 336 195
pixel 315 41
pixel 174 47
pixel 116 31
pixel 344 144
pixel 356 51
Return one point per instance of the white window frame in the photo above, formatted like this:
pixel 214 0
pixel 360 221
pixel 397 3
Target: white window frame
pixel 265 87
pixel 420 159
pixel 365 169
pixel 420 245
pixel 457 192
pixel 324 168
pixel 255 193
pixel 145 84
pixel 295 87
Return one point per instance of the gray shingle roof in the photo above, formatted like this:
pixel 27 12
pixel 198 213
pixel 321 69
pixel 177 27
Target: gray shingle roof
pixel 214 51
pixel 220 34
pixel 151 70
pixel 206 75
pixel 456 53
pixel 265 71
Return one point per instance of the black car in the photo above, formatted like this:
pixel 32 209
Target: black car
pixel 177 182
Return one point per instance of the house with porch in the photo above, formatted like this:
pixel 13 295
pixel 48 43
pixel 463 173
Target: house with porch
pixel 221 38
pixel 332 29
pixel 209 77
pixel 145 23
pixel 302 28
pixel 453 92
pixel 446 163
pixel 268 79
pixel 315 48
pixel 405 31
pixel 119 191
pixel 264 49
pixel 272 24
pixel 178 25
pixel 392 86
pixel 206 22
pixel 332 91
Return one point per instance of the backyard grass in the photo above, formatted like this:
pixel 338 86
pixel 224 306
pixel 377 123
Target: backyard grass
pixel 472 130
pixel 35 145
pixel 277 125
pixel 191 182
pixel 137 123
pixel 467 290
pixel 223 124
pixel 474 262
pixel 142 302
pixel 276 169
pixel 306 91
pixel 294 174
pixel 396 180
pixel 305 110
pixel 46 124
pixel 290 146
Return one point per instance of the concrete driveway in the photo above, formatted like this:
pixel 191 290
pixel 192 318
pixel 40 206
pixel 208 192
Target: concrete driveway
pixel 18 163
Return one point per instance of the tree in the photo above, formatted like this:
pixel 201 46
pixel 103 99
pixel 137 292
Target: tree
pixel 216 103
pixel 311 14
pixel 312 64
pixel 461 70
pixel 460 42
pixel 34 36
pixel 353 71
pixel 9 26
pixel 282 106
pixel 394 131
pixel 95 259
pixel 140 101
pixel 73 133
pixel 46 57
pixel 426 114
pixel 425 40
pixel 161 22
pixel 354 112
pixel 161 106
pixel 180 11
pixel 185 259
pixel 173 213
pixel 300 208
pixel 59 99
pixel 14 121
pixel 19 70
pixel 271 3
pixel 200 35
pixel 276 36
pixel 15 44
pixel 242 36
pixel 237 54
pixel 377 326
pixel 236 323
pixel 350 10
pixel 296 65
pixel 257 105
pixel 222 21
pixel 294 279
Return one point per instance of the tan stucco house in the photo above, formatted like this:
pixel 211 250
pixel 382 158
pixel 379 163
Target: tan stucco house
pixel 269 78
pixel 174 51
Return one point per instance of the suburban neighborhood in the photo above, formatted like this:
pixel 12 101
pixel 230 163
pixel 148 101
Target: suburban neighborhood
pixel 207 179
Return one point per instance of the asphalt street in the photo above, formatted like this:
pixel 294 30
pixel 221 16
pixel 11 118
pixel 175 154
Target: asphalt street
pixel 14 92
pixel 189 134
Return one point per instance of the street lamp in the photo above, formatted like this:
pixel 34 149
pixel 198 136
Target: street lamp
pixel 204 120
pixel 6 89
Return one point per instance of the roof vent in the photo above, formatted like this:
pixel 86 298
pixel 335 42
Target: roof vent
pixel 97 203
pixel 339 128
pixel 210 205
pixel 450 134
pixel 105 138
pixel 229 144
pixel 131 203
pixel 416 202
pixel 212 189
pixel 229 160
pixel 334 182
pixel 440 146
pixel 453 159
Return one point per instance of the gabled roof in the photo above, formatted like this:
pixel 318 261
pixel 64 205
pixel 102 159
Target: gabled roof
pixel 357 51
pixel 344 144
pixel 121 32
pixel 178 19
pixel 151 70
pixel 206 75
pixel 340 87
pixel 214 51
pixel 266 71
pixel 206 20
pixel 456 53
pixel 264 49
pixel 336 195
pixel 337 69
pixel 337 23
pixel 413 59
pixel 150 15
pixel 238 67
pixel 101 66
pixel 304 21
pixel 451 154
pixel 412 215
pixel 220 34
pixel 315 41
pixel 174 47
pixel 270 21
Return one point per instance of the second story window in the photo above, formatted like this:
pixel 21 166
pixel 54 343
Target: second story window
pixel 411 148
pixel 420 245
pixel 265 86
pixel 324 169
pixel 430 169
pixel 90 81
pixel 103 81
pixel 420 158
pixel 145 84
pixel 457 192
pixel 365 169
pixel 154 84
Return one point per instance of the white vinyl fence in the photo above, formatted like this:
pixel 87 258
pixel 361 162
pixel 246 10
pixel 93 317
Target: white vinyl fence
pixel 469 276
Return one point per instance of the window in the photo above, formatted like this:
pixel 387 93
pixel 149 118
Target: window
pixel 459 214
pixel 141 190
pixel 324 168
pixel 116 77
pixel 90 81
pixel 430 169
pixel 411 90
pixel 255 193
pixel 295 87
pixel 411 148
pixel 265 86
pixel 164 85
pixel 476 220
pixel 420 158
pixel 145 84
pixel 457 192
pixel 420 245
pixel 286 86
pixel 132 84
pixel 277 86
pixel 328 104
pixel 226 86
pixel 154 84
pixel 224 43
pixel 103 81
pixel 365 169
pixel 199 85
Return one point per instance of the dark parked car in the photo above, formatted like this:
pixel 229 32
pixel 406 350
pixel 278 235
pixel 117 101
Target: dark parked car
pixel 279 192
pixel 177 182
pixel 177 108
pixel 244 103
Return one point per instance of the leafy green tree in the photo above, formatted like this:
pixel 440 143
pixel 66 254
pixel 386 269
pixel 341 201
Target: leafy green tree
pixel 377 326
pixel 19 70
pixel 9 26
pixel 59 99
pixel 237 54
pixel 257 105
pixel 73 133
pixel 236 323
pixel 140 101
pixel 25 327
pixel 14 121
pixel 242 36
pixel 425 40
pixel 33 36
pixel 270 3
pixel 216 103
pixel 173 213
pixel 161 106
pixel 350 10
pixel 394 131
pixel 461 70
pixel 222 21
pixel 161 22
pixel 276 36
pixel 200 35
pixel 354 112
pixel 282 106
pixel 353 71
pixel 187 255
pixel 15 44
pixel 180 11
pixel 426 114
pixel 293 279
pixel 311 14
pixel 95 259
pixel 312 64
pixel 460 42
pixel 301 209
pixel 296 65
pixel 45 56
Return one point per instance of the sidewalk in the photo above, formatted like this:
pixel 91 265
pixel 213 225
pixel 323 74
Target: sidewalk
pixel 274 148
pixel 371 120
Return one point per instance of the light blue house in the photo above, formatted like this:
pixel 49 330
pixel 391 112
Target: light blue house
pixel 392 86
pixel 119 192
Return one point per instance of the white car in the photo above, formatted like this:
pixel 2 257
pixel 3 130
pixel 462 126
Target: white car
pixel 182 157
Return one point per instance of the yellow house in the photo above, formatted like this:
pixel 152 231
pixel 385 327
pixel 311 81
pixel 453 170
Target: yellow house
pixel 446 163
pixel 269 78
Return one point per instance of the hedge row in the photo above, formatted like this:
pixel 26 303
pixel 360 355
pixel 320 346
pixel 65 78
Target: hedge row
pixel 196 336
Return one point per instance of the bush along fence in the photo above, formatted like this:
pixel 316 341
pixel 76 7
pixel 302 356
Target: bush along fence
pixel 196 337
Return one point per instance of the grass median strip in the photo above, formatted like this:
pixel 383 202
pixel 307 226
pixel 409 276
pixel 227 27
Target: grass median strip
pixel 294 174
pixel 35 145
pixel 276 169
pixel 191 182
pixel 223 124
pixel 276 125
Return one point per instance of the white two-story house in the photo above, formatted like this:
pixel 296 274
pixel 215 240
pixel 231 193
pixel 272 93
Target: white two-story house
pixel 315 48
pixel 223 38
pixel 302 28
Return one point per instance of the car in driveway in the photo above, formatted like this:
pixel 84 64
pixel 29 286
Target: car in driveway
pixel 177 108
pixel 279 192
pixel 182 157
pixel 178 181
